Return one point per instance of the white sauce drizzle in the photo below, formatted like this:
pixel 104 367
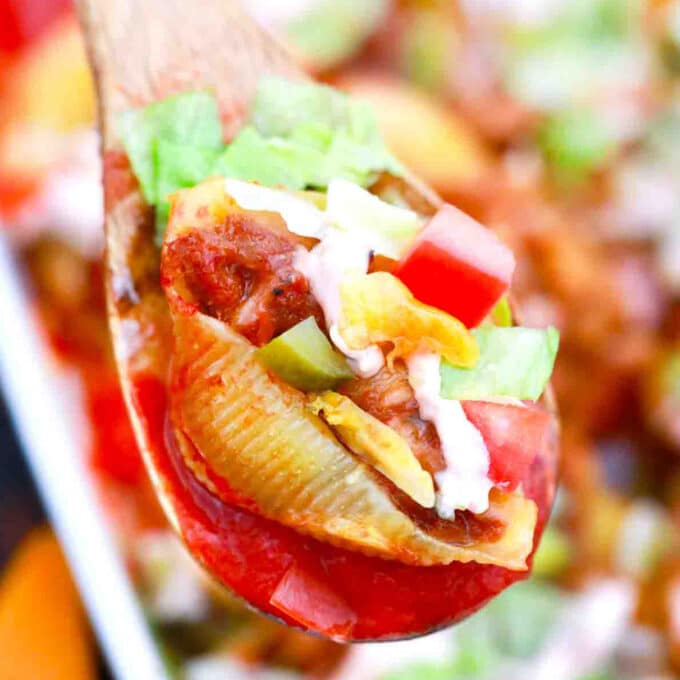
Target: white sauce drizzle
pixel 300 216
pixel 464 484
pixel 325 266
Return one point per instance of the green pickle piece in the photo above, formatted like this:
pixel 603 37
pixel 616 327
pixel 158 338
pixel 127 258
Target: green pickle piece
pixel 304 358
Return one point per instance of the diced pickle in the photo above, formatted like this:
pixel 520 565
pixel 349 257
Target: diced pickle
pixel 304 358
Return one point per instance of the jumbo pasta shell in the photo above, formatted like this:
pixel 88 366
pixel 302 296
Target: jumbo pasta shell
pixel 258 434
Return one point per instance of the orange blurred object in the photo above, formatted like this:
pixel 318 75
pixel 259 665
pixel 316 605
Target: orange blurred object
pixel 43 630
pixel 46 91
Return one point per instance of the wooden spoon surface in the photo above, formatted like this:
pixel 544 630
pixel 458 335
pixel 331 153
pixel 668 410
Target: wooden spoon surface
pixel 142 51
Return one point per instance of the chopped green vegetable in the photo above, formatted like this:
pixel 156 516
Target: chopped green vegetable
pixel 577 52
pixel 501 314
pixel 304 358
pixel 599 675
pixel 424 670
pixel 389 229
pixel 269 161
pixel 553 554
pixel 314 115
pixel 178 166
pixel 186 120
pixel 302 136
pixel 490 640
pixel 513 362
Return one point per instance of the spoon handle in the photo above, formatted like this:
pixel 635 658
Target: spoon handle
pixel 144 50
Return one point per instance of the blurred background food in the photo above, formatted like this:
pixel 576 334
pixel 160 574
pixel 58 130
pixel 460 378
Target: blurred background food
pixel 557 122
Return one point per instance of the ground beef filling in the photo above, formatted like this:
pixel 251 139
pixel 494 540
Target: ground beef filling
pixel 242 273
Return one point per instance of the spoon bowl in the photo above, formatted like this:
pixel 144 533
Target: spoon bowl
pixel 142 51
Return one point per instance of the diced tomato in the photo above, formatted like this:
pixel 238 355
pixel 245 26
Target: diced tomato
pixel 457 265
pixel 23 20
pixel 313 603
pixel 514 435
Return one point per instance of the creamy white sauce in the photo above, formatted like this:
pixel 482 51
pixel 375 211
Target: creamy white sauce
pixel 464 484
pixel 348 233
pixel 300 216
pixel 386 228
pixel 325 266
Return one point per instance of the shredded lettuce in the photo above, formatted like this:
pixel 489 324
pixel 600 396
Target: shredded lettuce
pixel 425 670
pixel 387 228
pixel 578 52
pixel 178 166
pixel 187 121
pixel 316 116
pixel 269 161
pixel 493 633
pixel 513 362
pixel 300 135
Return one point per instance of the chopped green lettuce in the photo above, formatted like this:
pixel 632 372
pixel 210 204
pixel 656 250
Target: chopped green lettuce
pixel 301 135
pixel 425 670
pixel 187 120
pixel 488 641
pixel 513 362
pixel 579 51
pixel 269 161
pixel 494 632
pixel 179 166
pixel 314 115
pixel 387 228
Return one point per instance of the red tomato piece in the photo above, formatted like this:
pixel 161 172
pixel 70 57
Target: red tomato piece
pixel 457 265
pixel 23 20
pixel 514 435
pixel 313 604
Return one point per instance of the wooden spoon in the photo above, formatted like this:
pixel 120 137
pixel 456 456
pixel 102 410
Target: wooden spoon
pixel 142 51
